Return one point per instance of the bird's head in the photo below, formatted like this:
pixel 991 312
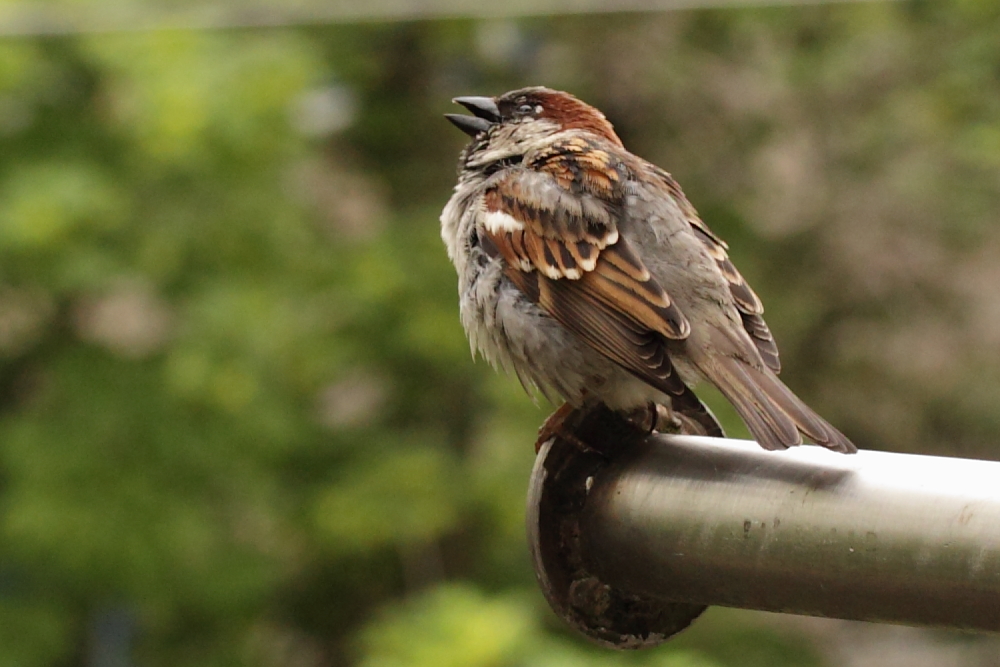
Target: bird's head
pixel 508 126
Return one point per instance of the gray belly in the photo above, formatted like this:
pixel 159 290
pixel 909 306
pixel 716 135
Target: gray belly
pixel 514 334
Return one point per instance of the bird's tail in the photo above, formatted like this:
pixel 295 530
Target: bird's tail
pixel 775 416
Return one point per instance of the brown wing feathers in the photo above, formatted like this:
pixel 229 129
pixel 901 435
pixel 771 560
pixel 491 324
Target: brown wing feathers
pixel 618 337
pixel 611 332
pixel 747 302
pixel 587 253
pixel 762 338
pixel 555 227
pixel 623 283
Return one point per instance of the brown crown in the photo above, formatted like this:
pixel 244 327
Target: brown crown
pixel 570 112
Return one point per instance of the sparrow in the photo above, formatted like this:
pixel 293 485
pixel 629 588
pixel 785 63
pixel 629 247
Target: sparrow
pixel 585 271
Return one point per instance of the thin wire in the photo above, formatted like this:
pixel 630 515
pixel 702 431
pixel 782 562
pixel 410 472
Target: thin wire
pixel 31 19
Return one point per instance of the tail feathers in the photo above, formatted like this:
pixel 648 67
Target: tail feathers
pixel 774 415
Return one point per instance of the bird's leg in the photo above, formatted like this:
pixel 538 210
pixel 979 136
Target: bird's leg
pixel 597 428
pixel 553 427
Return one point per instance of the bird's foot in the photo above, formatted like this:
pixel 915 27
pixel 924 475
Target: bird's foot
pixel 554 427
pixel 597 428
pixel 668 421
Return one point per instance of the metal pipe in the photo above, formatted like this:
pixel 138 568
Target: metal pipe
pixel 876 536
pixel 681 522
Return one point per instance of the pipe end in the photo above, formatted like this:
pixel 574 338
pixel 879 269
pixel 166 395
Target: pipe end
pixel 557 494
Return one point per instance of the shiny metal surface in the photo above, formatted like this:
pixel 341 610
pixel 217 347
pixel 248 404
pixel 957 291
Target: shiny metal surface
pixel 875 536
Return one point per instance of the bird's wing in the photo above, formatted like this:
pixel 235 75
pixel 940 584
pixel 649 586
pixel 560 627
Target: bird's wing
pixel 555 224
pixel 747 302
pixel 770 410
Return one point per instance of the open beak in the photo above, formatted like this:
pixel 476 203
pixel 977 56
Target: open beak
pixel 485 114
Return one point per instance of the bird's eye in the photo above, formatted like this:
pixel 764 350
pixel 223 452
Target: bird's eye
pixel 525 110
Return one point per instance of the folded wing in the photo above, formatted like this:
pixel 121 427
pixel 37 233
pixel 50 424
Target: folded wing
pixel 556 227
pixel 747 302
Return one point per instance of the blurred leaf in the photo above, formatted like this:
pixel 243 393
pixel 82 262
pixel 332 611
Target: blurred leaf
pixel 42 205
pixel 409 495
pixel 33 633
pixel 451 626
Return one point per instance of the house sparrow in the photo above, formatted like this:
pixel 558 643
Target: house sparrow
pixel 584 270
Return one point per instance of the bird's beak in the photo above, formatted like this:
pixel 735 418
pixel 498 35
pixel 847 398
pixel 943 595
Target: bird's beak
pixel 485 114
pixel 481 107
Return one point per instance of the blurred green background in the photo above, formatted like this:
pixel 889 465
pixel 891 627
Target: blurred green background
pixel 239 422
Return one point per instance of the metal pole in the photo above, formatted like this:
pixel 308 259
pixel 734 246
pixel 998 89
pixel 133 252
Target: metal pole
pixel 679 522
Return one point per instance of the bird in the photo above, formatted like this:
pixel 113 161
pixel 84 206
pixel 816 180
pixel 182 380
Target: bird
pixel 585 271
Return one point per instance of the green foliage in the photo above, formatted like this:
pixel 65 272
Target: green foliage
pixel 410 497
pixel 457 627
